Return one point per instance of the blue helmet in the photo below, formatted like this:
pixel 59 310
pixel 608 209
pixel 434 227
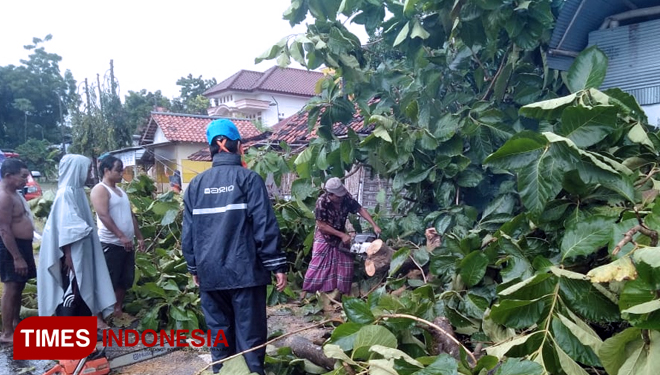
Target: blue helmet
pixel 222 127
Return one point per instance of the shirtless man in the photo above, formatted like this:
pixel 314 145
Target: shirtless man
pixel 16 257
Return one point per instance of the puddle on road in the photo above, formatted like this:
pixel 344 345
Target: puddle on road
pixel 10 367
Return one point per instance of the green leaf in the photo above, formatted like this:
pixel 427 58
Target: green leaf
pixel 398 258
pixel 627 103
pixel 177 314
pixel 518 152
pixel 444 364
pixel 539 182
pixel 518 314
pixel 417 175
pixel 305 156
pixel 473 267
pixel 647 261
pixel 381 367
pixel 501 349
pixel 637 134
pixel 418 31
pixel 614 351
pixel 588 70
pixel 272 51
pixel 369 336
pixel 644 308
pixel 344 335
pixel 357 311
pixel 336 352
pixel 518 366
pixel 403 34
pixel 324 9
pixel 570 344
pixel 470 177
pixel 169 217
pixel 382 133
pixel 502 82
pixel 568 364
pixel 547 109
pixel 322 159
pixel 235 366
pixel 587 301
pixel 585 237
pixel 298 53
pixel 389 352
pixel 582 332
pixel 643 359
pixel 409 7
pixel 301 189
pixel 588 126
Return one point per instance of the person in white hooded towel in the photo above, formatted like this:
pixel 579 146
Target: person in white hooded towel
pixel 72 267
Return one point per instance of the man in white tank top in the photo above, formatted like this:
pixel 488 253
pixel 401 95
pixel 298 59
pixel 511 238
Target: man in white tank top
pixel 117 227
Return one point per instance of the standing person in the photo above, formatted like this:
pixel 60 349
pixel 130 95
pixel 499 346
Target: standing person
pixel 16 258
pixel 331 268
pixel 73 278
pixel 117 228
pixel 175 180
pixel 231 242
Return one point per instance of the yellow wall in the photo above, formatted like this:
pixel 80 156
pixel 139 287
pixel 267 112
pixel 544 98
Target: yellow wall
pixel 193 168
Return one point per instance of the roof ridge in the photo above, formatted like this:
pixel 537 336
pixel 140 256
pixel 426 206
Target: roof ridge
pixel 199 116
pixel 265 75
pixel 228 81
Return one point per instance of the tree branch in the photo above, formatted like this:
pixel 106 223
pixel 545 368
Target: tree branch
pixel 418 266
pixel 628 237
pixel 499 71
pixel 434 326
pixel 265 344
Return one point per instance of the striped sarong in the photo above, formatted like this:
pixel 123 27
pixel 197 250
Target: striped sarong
pixel 329 268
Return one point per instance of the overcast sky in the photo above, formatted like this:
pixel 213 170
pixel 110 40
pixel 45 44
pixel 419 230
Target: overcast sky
pixel 152 43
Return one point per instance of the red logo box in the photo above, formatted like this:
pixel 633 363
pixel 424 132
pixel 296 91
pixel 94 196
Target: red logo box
pixel 55 337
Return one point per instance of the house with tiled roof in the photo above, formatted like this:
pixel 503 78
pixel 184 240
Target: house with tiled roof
pixel 293 131
pixel 266 97
pixel 170 138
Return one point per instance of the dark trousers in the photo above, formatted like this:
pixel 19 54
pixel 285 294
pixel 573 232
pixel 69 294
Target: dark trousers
pixel 241 314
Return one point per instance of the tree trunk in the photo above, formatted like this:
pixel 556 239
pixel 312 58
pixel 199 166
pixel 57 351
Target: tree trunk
pixel 303 348
pixel 379 257
pixel 441 343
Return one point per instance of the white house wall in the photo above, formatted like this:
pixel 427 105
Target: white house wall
pixel 288 105
pixel 159 136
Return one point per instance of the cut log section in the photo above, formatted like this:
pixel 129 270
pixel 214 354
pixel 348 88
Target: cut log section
pixel 379 257
pixel 303 348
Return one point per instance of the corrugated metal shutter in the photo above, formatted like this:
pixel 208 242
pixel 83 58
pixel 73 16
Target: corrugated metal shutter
pixel 634 59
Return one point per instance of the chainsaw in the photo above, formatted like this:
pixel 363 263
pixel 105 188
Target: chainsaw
pixel 359 243
pixel 98 364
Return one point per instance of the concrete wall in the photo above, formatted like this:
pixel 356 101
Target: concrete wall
pixel 288 105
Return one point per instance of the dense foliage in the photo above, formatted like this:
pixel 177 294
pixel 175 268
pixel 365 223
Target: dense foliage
pixel 532 180
pixel 34 97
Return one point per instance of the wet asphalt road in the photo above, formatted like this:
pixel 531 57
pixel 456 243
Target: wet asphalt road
pixel 10 367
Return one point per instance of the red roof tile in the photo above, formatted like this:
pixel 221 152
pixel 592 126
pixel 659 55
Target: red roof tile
pixel 293 130
pixel 276 79
pixel 179 127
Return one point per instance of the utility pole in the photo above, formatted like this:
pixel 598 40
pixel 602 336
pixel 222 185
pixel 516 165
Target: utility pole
pixel 98 82
pixel 89 106
pixel 91 131
pixel 113 85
